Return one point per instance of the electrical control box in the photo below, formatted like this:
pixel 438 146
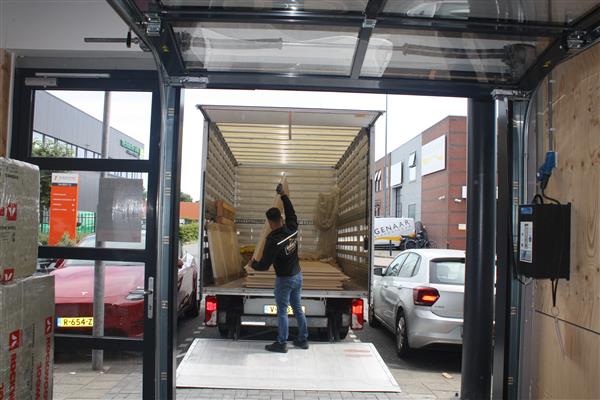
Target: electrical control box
pixel 544 241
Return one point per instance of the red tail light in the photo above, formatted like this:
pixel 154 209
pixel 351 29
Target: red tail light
pixel 210 311
pixel 59 263
pixel 425 296
pixel 358 314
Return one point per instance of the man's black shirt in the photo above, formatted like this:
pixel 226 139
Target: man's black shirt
pixel 281 246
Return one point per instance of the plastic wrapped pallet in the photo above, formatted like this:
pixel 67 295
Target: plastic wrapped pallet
pixel 26 338
pixel 38 302
pixel 19 219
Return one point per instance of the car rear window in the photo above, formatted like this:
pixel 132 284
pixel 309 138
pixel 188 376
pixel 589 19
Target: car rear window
pixel 447 272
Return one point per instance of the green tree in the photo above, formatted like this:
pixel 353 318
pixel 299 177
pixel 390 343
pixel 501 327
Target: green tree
pixel 40 149
pixel 185 197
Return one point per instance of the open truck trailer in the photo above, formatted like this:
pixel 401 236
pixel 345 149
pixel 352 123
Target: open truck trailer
pixel 248 151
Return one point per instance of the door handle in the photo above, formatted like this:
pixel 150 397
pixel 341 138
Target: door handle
pixel 149 293
pixel 385 285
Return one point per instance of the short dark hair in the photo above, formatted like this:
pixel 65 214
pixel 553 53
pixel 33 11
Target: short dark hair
pixel 274 214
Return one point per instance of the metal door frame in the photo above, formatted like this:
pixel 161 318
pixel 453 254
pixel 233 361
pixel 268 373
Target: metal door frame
pixel 26 82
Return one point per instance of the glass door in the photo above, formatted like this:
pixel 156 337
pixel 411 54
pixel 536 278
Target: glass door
pixel 95 140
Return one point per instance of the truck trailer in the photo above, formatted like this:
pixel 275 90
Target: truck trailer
pixel 247 151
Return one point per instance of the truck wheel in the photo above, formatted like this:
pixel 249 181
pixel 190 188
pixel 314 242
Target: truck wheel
pixel 402 347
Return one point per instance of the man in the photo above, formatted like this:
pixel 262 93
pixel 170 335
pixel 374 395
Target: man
pixel 281 250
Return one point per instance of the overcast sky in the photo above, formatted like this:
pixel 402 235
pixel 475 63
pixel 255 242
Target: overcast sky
pixel 407 116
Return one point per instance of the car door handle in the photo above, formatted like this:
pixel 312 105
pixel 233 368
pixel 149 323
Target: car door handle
pixel 141 291
pixel 385 285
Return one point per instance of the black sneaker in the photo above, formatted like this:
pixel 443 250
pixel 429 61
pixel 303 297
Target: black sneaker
pixel 277 347
pixel 302 344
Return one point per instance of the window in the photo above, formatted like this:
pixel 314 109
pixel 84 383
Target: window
pixel 394 267
pixel 398 198
pixel 48 140
pixel 447 272
pixel 409 268
pixel 38 137
pixel 80 152
pixel 412 211
pixel 378 180
pixel 412 166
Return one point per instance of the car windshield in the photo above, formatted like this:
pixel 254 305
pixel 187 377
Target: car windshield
pixel 90 241
pixel 447 271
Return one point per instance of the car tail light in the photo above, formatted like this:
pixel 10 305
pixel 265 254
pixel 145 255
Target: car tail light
pixel 358 314
pixel 210 311
pixel 59 263
pixel 424 296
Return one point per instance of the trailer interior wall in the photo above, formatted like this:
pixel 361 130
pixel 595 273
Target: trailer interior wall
pixel 354 208
pixel 566 366
pixel 220 178
pixel 255 190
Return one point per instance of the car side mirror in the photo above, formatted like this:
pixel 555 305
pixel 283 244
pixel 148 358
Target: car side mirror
pixel 378 271
pixel 179 263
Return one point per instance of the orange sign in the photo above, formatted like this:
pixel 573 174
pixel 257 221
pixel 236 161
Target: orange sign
pixel 63 207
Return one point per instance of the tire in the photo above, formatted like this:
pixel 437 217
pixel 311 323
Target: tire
pixel 411 244
pixel 402 347
pixel 194 308
pixel 373 322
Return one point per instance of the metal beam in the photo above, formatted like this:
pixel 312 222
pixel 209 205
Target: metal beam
pixel 480 254
pixel 355 19
pixel 424 87
pixel 372 11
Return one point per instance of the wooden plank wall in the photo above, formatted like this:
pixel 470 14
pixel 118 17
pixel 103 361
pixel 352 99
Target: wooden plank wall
pixel 352 176
pixel 576 120
pixel 5 73
pixel 220 172
pixel 254 195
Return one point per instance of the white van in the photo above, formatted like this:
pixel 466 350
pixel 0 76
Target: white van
pixel 392 229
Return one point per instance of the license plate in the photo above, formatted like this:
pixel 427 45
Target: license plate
pixel 76 322
pixel 271 309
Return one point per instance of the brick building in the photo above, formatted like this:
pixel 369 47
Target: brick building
pixel 381 179
pixel 427 179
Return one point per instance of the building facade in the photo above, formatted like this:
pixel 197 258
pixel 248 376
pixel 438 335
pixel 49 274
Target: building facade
pixel 80 135
pixel 428 178
pixel 381 179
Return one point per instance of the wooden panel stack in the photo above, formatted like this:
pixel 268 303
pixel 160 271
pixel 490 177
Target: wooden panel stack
pixel 225 212
pixel 317 275
pixel 226 261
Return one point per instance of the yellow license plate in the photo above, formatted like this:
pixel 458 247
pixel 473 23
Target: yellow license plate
pixel 270 309
pixel 76 322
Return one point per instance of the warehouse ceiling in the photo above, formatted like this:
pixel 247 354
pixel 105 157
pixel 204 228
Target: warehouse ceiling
pixel 464 47
pixel 292 136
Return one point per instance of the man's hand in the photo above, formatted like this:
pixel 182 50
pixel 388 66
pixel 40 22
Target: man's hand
pixel 280 190
pixel 248 266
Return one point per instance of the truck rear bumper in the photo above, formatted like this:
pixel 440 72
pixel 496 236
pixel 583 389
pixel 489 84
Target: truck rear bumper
pixel 262 320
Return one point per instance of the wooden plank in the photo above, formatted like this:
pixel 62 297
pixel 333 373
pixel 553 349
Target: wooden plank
pixel 225 210
pixel 225 221
pixel 573 375
pixel 258 253
pixel 225 257
pixel 576 179
pixel 5 76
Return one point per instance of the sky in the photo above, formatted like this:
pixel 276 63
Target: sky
pixel 406 117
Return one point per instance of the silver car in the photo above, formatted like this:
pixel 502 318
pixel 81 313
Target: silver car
pixel 419 297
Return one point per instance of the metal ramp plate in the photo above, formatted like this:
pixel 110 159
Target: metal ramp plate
pixel 227 364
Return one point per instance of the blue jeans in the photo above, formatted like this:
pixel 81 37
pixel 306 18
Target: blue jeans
pixel 288 290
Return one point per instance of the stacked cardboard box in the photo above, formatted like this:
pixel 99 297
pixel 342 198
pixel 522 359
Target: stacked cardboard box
pixel 19 219
pixel 26 301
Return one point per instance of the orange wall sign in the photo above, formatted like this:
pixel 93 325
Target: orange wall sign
pixel 63 207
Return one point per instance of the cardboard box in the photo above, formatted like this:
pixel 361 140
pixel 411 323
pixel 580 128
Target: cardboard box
pixel 26 338
pixel 19 219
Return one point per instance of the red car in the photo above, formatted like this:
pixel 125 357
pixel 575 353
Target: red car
pixel 123 307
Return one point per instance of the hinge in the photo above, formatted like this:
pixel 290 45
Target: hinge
pixel 513 311
pixel 510 380
pixel 195 82
pixel 164 304
pixel 577 40
pixel 369 23
pixel 153 25
pixel 510 94
pixel 163 376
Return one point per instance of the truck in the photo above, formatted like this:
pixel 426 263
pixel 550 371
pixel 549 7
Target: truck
pixel 247 151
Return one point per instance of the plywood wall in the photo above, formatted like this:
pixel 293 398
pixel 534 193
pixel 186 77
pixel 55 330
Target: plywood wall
pixel 571 371
pixel 5 72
